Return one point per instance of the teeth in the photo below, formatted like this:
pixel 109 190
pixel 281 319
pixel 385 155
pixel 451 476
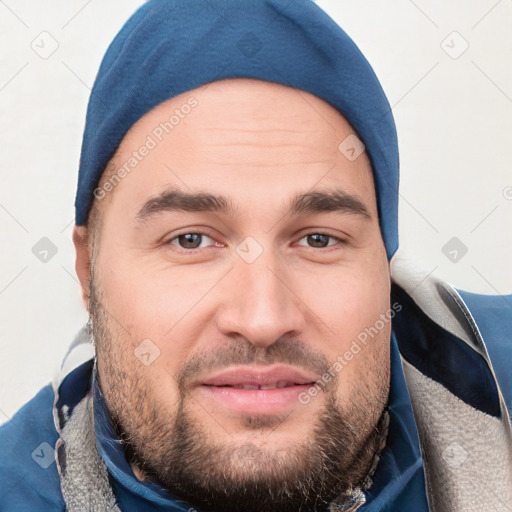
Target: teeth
pixel 278 385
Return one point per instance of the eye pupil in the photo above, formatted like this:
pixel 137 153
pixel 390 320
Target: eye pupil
pixel 190 240
pixel 318 240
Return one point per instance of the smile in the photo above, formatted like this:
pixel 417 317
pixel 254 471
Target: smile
pixel 257 390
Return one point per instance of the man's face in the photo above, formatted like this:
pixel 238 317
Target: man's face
pixel 244 299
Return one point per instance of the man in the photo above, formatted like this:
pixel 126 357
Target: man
pixel 247 347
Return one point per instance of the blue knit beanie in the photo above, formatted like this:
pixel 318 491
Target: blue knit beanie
pixel 172 46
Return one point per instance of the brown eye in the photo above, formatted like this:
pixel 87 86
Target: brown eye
pixel 190 240
pixel 319 240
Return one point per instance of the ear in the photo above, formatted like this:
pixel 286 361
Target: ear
pixel 83 260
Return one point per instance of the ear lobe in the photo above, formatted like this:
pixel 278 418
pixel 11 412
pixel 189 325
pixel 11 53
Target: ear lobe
pixel 83 260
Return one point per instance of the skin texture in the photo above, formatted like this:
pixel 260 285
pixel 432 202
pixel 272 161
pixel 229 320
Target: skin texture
pixel 302 301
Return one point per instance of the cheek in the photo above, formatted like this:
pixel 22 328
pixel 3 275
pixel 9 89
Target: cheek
pixel 349 301
pixel 164 306
pixel 151 301
pixel 354 305
pixel 133 363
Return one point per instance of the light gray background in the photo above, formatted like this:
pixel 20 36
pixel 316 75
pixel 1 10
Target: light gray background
pixel 454 118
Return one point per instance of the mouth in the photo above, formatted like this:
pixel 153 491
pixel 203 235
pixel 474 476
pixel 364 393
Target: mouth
pixel 277 385
pixel 257 390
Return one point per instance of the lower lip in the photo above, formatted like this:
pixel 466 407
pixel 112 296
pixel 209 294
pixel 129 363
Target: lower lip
pixel 256 401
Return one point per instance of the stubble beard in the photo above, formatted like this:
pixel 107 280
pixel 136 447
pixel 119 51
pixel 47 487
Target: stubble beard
pixel 173 449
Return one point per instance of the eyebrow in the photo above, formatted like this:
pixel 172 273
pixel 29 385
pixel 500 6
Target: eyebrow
pixel 302 204
pixel 332 201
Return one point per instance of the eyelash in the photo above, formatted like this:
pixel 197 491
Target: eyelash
pixel 192 250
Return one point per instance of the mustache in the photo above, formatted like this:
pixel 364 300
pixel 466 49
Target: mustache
pixel 241 351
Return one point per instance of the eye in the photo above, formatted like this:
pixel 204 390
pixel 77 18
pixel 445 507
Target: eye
pixel 320 240
pixel 190 240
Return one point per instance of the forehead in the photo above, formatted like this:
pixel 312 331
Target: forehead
pixel 240 136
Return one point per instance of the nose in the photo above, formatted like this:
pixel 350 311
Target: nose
pixel 259 303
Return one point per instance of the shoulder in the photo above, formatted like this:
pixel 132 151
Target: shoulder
pixel 492 312
pixel 493 317
pixel 28 472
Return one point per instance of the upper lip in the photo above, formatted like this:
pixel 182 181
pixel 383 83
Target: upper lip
pixel 258 375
